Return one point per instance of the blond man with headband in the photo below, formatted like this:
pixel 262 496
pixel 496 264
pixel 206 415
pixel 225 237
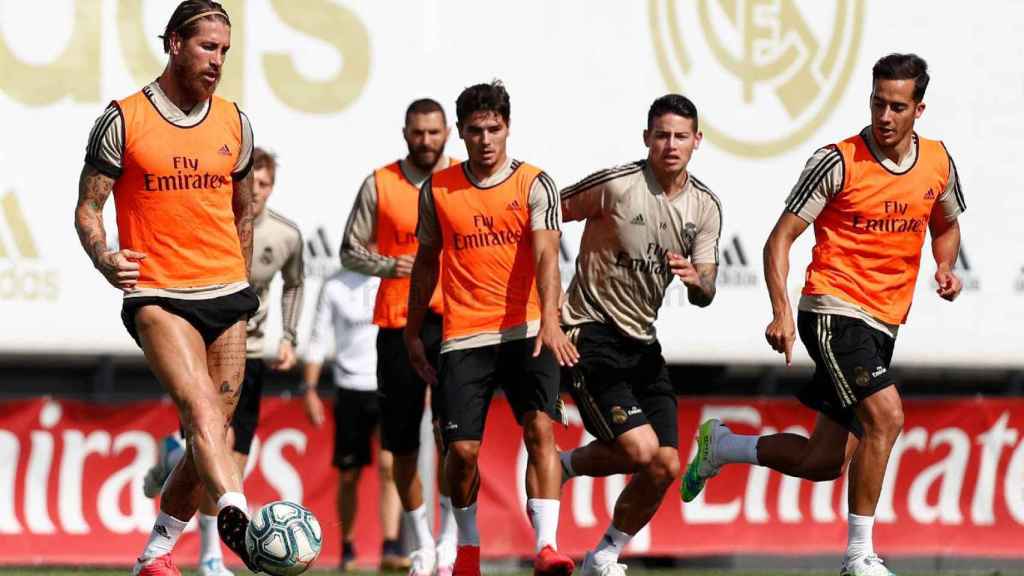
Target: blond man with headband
pixel 178 161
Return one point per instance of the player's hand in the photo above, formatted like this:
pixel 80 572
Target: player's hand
pixel 552 338
pixel 403 265
pixel 286 358
pixel 781 334
pixel 313 406
pixel 683 269
pixel 121 268
pixel 949 283
pixel 418 359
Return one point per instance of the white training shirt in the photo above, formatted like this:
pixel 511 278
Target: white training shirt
pixel 345 310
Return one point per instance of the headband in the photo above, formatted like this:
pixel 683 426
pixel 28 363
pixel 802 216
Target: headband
pixel 198 16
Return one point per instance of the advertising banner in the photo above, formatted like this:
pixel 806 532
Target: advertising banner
pixel 71 478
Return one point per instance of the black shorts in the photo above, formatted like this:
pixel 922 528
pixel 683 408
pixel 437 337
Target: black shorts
pixel 247 412
pixel 851 362
pixel 402 390
pixel 468 378
pixel 356 416
pixel 210 317
pixel 621 383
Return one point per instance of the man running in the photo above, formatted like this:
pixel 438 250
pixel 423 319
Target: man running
pixel 871 199
pixel 646 222
pixel 178 159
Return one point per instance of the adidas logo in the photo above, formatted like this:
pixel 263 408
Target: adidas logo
pixel 17 228
pixel 929 195
pixel 224 150
pixel 161 530
pixel 733 253
pixel 736 270
pixel 24 275
pixel 321 260
pixel 638 220
pixel 514 205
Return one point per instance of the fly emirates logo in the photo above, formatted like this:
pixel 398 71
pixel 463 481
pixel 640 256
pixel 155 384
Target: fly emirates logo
pixel 186 177
pixel 486 235
pixel 895 220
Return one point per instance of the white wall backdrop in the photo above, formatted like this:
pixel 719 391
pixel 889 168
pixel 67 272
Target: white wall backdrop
pixel 326 83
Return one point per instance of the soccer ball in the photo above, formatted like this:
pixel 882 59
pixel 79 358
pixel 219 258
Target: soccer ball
pixel 283 538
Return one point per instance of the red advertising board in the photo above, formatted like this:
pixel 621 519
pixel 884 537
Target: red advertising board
pixel 71 484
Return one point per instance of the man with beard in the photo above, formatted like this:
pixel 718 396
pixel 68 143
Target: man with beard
pixel 178 161
pixel 384 216
pixel 646 222
pixel 277 246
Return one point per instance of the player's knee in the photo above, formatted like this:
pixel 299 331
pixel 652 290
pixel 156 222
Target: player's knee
pixel 640 448
pixel 464 454
pixel 537 433
pixel 664 467
pixel 885 423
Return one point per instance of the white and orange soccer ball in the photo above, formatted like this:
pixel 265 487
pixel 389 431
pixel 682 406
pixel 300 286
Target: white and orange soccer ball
pixel 283 538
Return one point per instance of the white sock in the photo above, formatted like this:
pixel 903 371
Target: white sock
pixel 736 448
pixel 236 499
pixel 166 531
pixel 611 545
pixel 566 459
pixel 859 542
pixel 544 517
pixel 465 519
pixel 447 536
pixel 209 538
pixel 421 527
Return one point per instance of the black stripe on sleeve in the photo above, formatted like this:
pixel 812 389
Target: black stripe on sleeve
pixel 957 192
pixel 242 121
pixel 99 131
pixel 718 204
pixel 814 180
pixel 551 214
pixel 602 176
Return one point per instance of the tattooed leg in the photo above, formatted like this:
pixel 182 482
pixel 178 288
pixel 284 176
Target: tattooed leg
pixel 178 356
pixel 226 363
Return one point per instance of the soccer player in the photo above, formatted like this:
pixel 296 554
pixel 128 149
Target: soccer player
pixel 494 222
pixel 871 199
pixel 344 311
pixel 278 248
pixel 178 159
pixel 384 215
pixel 646 222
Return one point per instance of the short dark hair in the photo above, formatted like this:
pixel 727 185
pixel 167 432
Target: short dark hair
pixel 186 17
pixel 903 67
pixel 673 104
pixel 263 159
pixel 484 98
pixel 425 106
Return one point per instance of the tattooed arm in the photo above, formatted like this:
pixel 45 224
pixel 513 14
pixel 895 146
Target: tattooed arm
pixel 241 205
pixel 703 292
pixel 120 268
pixel 699 279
